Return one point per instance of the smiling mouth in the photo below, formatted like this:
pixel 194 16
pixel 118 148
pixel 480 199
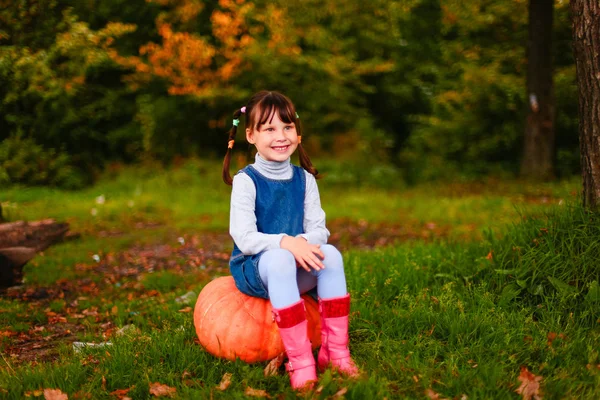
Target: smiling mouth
pixel 280 148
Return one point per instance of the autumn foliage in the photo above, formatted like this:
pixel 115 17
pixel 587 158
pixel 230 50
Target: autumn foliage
pixel 392 83
pixel 190 63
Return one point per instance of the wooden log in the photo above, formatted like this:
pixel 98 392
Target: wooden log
pixel 20 241
pixel 12 261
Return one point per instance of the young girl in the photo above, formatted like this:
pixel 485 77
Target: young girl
pixel 278 228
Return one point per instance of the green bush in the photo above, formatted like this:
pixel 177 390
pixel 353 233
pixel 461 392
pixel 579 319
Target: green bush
pixel 22 161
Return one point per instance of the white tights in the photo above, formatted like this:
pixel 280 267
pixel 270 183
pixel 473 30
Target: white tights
pixel 285 281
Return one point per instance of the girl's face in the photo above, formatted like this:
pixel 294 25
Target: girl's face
pixel 275 140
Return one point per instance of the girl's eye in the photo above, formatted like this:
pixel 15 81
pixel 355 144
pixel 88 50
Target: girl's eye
pixel 288 127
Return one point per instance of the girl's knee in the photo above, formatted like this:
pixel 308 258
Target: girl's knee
pixel 280 262
pixel 279 256
pixel 333 257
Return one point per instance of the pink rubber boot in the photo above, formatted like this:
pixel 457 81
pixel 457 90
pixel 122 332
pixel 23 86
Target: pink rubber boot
pixel 293 328
pixel 334 336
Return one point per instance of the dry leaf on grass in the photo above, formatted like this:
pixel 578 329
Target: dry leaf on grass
pixel 530 385
pixel 552 335
pixel 256 392
pixel 433 395
pixel 340 393
pixel 121 393
pixel 186 310
pixel 225 381
pixel 55 394
pixel 158 389
pixel 186 378
pixel 273 367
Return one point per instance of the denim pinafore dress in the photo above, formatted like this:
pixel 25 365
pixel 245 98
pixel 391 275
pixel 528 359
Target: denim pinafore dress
pixel 279 209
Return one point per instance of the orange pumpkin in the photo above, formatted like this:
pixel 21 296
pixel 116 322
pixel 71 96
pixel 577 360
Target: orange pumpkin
pixel 233 325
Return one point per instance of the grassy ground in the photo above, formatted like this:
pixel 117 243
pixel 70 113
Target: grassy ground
pixel 455 288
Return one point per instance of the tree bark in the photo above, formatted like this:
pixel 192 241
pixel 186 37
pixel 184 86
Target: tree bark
pixel 586 47
pixel 538 148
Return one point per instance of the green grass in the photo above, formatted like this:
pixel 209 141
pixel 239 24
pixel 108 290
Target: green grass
pixel 512 282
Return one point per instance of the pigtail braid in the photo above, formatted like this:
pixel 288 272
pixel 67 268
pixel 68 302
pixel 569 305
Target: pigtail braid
pixel 304 159
pixel 306 163
pixel 226 176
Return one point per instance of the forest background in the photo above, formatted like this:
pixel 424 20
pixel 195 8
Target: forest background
pixel 396 91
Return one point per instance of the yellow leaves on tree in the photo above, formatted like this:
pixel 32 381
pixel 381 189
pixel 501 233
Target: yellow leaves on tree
pixel 231 29
pixel 183 11
pixel 189 63
pixel 283 36
pixel 63 66
pixel 244 36
pixel 184 59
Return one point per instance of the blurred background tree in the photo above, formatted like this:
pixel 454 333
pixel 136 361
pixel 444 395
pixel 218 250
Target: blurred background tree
pixel 433 89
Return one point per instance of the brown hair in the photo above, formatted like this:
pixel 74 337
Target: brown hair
pixel 259 110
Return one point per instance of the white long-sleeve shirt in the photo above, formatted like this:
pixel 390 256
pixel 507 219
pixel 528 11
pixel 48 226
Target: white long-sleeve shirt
pixel 242 218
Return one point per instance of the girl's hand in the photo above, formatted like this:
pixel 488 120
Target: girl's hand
pixel 307 255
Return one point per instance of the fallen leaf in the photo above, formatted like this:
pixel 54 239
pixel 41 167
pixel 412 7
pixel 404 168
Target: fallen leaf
pixel 186 379
pixel 158 389
pixel 81 395
pixel 530 385
pixel 225 381
pixel 273 367
pixel 340 393
pixel 432 395
pixel 552 335
pixel 103 383
pixel 54 394
pixel 431 330
pixel 490 256
pixel 34 393
pixel 120 393
pixel 186 310
pixel 255 392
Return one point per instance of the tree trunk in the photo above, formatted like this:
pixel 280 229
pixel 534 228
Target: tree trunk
pixel 538 149
pixel 586 47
